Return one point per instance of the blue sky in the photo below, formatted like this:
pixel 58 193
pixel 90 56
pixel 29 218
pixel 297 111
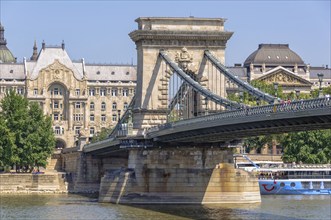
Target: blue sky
pixel 98 30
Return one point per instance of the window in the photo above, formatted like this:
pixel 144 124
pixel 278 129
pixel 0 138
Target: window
pixel 92 92
pixel 35 91
pixel 125 92
pixel 103 118
pixel 92 106
pixel 98 72
pixel 56 104
pixel 112 73
pixel 91 130
pixel 57 130
pixel 103 106
pixel 114 106
pixel 56 91
pixel 77 92
pixel 114 92
pixel 102 92
pixel 114 117
pixel 127 73
pixel 20 91
pixel 77 104
pixel 56 117
pixel 77 130
pixel 92 117
pixel 125 106
pixel 78 117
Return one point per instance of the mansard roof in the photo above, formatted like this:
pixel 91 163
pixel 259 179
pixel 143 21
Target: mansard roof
pixel 12 71
pixel 275 55
pixel 111 72
pixel 47 56
pixel 238 71
pixel 316 70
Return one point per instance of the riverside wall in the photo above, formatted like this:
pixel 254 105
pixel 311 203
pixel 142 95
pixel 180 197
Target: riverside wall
pixel 33 183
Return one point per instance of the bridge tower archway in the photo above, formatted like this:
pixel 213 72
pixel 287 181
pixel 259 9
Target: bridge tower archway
pixel 184 40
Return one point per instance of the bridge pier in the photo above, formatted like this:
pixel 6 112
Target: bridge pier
pixel 187 175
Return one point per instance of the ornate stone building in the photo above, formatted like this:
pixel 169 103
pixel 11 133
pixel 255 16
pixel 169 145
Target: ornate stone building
pixel 81 98
pixel 278 63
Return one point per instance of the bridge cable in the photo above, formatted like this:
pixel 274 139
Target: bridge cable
pixel 196 86
pixel 250 89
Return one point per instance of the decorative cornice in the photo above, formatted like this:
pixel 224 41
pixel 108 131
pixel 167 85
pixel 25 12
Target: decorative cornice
pixel 138 35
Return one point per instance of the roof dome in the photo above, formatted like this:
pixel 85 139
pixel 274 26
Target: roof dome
pixel 274 55
pixel 5 55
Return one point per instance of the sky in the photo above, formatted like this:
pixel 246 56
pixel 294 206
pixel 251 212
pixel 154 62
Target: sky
pixel 98 30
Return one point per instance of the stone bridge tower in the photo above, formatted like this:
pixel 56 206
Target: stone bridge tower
pixel 185 40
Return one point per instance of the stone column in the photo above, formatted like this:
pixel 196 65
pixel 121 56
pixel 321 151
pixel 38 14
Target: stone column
pixel 85 115
pixel 70 115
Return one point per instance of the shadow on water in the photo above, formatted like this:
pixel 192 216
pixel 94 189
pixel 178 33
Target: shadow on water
pixel 217 212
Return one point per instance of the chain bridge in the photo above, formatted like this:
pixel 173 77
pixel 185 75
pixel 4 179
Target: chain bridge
pixel 172 143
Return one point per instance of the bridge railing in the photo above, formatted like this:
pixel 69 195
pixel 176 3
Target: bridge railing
pixel 294 106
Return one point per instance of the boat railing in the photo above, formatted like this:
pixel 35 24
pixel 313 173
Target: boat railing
pixel 297 166
pixel 273 177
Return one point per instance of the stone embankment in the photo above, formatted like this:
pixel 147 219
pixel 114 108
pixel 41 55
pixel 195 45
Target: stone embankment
pixel 17 183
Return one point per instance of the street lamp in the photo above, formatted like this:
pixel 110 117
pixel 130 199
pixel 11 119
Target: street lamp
pixel 276 92
pixel 241 95
pixel 297 93
pixel 119 115
pixel 320 79
pixel 206 106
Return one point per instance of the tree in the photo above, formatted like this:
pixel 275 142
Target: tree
pixel 8 149
pixel 30 137
pixel 307 147
pixel 102 135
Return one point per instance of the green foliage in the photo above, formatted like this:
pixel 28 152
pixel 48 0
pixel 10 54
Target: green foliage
pixel 308 147
pixel 102 135
pixel 29 138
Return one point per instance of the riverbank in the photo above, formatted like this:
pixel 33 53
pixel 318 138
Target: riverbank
pixel 27 183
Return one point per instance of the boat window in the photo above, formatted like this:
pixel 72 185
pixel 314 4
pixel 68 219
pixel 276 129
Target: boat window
pixel 292 184
pixel 282 184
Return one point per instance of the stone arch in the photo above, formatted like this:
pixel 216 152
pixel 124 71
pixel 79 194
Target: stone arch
pixel 60 143
pixel 61 97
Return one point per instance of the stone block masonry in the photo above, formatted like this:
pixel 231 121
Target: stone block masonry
pixel 32 183
pixel 171 175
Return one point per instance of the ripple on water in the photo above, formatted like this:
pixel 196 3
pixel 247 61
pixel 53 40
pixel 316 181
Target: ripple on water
pixel 49 207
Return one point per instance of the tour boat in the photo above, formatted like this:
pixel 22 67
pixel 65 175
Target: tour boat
pixel 291 179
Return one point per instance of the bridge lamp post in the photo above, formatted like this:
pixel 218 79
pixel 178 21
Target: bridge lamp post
pixel 241 96
pixel 297 93
pixel 276 92
pixel 206 106
pixel 320 79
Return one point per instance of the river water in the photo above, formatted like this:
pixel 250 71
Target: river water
pixel 82 207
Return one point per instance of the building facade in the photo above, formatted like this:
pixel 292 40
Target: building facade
pixel 81 98
pixel 277 63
